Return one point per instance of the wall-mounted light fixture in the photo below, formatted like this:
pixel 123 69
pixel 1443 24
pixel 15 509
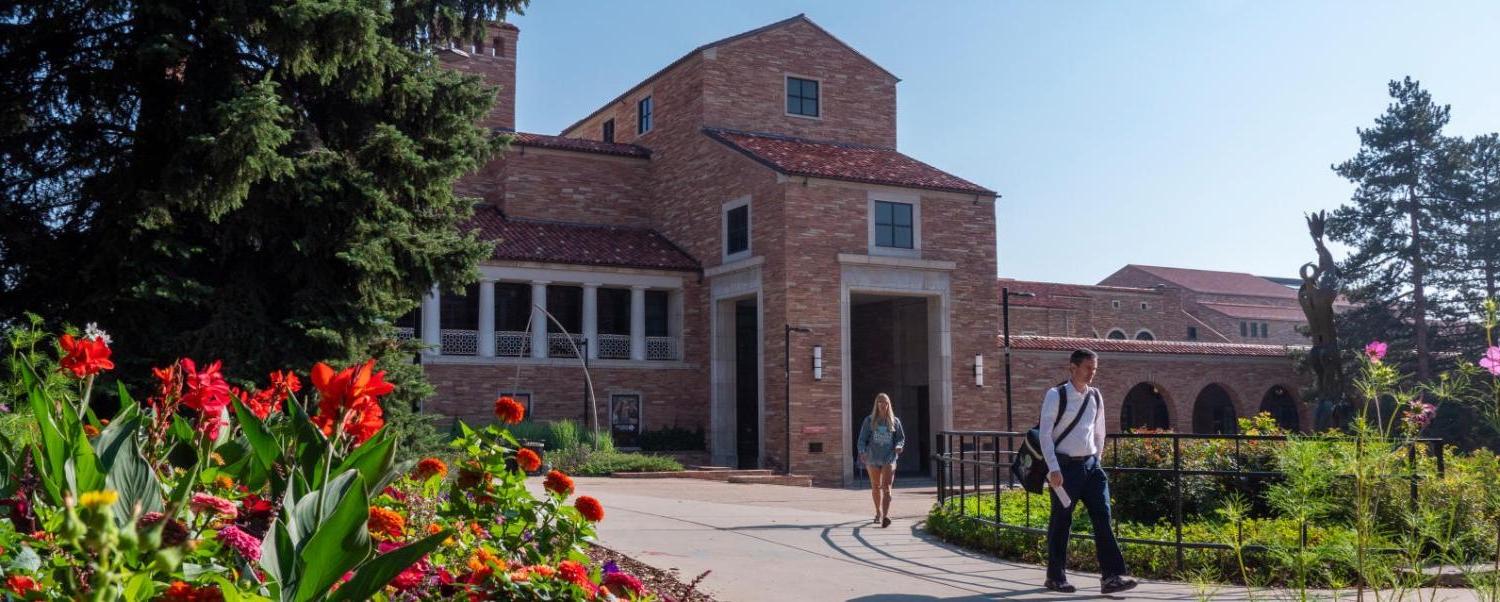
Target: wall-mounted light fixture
pixel 817 362
pixel 979 370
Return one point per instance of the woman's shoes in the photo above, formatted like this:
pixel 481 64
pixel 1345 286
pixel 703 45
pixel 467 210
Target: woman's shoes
pixel 885 522
pixel 877 519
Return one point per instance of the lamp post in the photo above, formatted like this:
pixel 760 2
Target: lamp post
pixel 1005 296
pixel 786 366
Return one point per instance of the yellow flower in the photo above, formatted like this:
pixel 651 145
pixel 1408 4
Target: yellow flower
pixel 98 499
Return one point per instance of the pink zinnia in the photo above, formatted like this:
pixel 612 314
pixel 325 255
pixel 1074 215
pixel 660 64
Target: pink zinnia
pixel 1376 350
pixel 1491 360
pixel 203 502
pixel 241 542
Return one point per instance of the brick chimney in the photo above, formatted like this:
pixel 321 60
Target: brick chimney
pixel 495 61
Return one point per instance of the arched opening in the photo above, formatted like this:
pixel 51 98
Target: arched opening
pixel 1117 334
pixel 1278 401
pixel 1213 411
pixel 1145 407
pixel 1145 335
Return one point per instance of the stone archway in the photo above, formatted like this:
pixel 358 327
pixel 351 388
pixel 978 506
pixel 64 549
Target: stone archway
pixel 1145 406
pixel 1281 404
pixel 1213 411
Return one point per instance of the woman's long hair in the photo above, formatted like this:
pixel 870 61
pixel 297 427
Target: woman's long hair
pixel 882 412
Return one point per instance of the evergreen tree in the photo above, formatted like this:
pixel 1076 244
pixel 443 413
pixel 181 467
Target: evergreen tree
pixel 1394 220
pixel 1476 210
pixel 270 183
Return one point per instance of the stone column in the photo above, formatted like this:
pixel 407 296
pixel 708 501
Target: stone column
pixel 538 319
pixel 591 318
pixel 638 323
pixel 432 323
pixel 487 318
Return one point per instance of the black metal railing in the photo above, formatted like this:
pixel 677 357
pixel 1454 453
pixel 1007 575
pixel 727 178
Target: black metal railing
pixel 974 463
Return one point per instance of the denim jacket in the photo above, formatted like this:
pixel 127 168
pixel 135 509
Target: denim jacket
pixel 877 445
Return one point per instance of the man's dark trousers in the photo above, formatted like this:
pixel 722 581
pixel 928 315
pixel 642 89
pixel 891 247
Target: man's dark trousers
pixel 1086 483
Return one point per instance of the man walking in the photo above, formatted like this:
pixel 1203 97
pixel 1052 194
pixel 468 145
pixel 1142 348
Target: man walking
pixel 1073 466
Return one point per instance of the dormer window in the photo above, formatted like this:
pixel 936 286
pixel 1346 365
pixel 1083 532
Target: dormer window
pixel 802 97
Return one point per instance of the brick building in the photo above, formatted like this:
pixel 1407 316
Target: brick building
pixel 735 244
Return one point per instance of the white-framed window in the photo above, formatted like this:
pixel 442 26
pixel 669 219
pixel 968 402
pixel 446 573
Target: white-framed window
pixel 734 228
pixel 804 96
pixel 625 419
pixel 1114 304
pixel 644 113
pixel 895 224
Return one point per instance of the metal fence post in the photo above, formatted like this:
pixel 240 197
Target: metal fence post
pixel 942 467
pixel 1177 474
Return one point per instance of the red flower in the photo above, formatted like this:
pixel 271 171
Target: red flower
pixel 353 394
pixel 528 460
pixel 21 585
pixel 285 384
pixel 590 508
pixel 84 357
pixel 508 410
pixel 208 393
pixel 620 582
pixel 558 482
pixel 183 592
pixel 428 467
pixel 573 572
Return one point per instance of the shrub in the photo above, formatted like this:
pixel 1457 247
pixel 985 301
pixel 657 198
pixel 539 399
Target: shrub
pixel 581 460
pixel 673 438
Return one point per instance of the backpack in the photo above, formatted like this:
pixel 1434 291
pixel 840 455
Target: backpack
pixel 1029 467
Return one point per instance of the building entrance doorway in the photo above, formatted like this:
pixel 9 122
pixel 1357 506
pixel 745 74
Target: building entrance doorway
pixel 890 345
pixel 746 385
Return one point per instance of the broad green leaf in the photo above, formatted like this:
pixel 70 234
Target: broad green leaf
pixel 373 576
pixel 183 431
pixel 139 588
pixel 278 556
pixel 83 466
pixel 372 460
pixel 127 473
pixel 341 541
pixel 127 402
pixel 260 441
pixel 51 454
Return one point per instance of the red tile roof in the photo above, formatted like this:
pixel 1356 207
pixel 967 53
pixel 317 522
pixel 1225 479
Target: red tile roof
pixel 1224 283
pixel 581 244
pixel 842 161
pixel 1039 343
pixel 577 144
pixel 1258 312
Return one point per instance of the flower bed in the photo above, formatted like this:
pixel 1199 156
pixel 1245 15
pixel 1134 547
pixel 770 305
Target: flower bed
pixel 204 491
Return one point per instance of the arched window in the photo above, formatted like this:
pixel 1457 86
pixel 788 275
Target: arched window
pixel 1145 335
pixel 1280 403
pixel 1145 407
pixel 1213 411
pixel 1117 334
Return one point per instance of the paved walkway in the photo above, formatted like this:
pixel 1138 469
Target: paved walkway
pixel 775 543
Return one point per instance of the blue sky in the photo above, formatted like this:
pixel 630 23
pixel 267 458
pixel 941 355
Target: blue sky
pixel 1188 134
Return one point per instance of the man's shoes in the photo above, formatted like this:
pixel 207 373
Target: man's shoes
pixel 1116 584
pixel 1060 586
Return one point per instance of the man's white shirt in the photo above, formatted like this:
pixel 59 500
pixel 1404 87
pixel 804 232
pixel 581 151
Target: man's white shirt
pixel 1086 439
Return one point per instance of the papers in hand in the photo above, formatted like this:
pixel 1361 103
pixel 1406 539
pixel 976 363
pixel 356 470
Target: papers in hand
pixel 1062 497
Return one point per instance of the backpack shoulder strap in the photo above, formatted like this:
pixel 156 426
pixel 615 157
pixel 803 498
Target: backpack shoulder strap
pixel 1076 417
pixel 1062 404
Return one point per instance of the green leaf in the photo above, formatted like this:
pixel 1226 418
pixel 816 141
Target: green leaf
pixel 373 576
pixel 128 473
pixel 139 588
pixel 261 442
pixel 372 460
pixel 51 455
pixel 127 402
pixel 341 540
pixel 83 466
pixel 278 556
pixel 183 431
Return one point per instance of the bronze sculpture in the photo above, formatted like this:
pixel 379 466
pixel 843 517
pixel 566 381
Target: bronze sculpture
pixel 1319 291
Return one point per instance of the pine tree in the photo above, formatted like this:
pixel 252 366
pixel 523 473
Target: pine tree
pixel 1394 218
pixel 270 183
pixel 1476 208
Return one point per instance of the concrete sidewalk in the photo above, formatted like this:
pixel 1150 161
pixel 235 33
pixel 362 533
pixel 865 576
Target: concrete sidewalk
pixel 769 542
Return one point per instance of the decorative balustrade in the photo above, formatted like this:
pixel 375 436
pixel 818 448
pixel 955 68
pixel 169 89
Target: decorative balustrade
pixel 405 333
pixel 563 345
pixel 460 342
pixel 662 348
pixel 614 346
pixel 511 343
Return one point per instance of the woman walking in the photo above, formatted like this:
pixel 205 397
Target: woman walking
pixel 880 442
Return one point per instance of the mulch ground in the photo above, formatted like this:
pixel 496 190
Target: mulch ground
pixel 667 585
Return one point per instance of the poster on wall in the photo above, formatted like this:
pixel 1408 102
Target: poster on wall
pixel 625 420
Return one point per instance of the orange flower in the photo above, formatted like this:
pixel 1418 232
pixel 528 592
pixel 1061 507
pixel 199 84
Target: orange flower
pixel 386 524
pixel 352 394
pixel 528 460
pixel 428 467
pixel 558 482
pixel 542 570
pixel 21 585
pixel 224 482
pixel 508 410
pixel 590 508
pixel 84 357
pixel 573 572
pixel 182 592
pixel 90 430
pixel 478 530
